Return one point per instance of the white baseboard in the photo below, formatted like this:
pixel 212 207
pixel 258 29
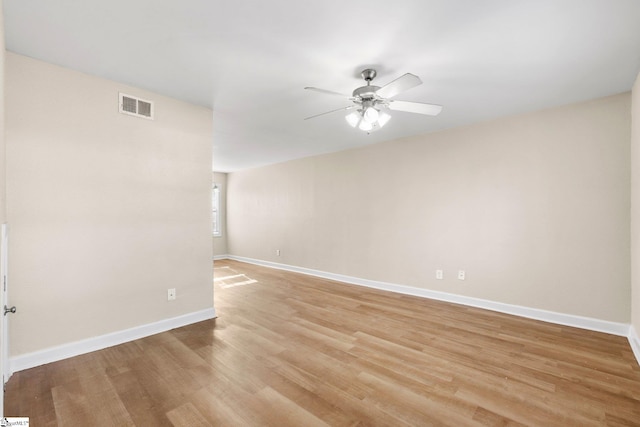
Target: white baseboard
pixel 614 328
pixel 53 354
pixel 219 257
pixel 634 341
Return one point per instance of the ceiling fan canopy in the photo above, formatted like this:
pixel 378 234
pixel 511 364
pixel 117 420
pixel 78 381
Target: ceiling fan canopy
pixel 371 103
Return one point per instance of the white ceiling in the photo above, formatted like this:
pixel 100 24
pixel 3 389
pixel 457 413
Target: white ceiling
pixel 249 60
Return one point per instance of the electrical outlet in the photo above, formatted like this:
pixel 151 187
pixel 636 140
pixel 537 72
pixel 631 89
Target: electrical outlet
pixel 439 274
pixel 171 294
pixel 461 274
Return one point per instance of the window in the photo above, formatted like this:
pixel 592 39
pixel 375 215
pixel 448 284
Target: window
pixel 215 210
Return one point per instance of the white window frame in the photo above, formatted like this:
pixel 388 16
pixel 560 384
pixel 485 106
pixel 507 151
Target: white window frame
pixel 216 223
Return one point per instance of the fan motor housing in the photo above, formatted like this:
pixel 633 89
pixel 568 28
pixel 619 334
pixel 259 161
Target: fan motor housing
pixel 366 92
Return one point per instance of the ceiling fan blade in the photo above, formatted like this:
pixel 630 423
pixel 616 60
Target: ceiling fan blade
pixel 399 85
pixel 327 92
pixel 415 107
pixel 350 107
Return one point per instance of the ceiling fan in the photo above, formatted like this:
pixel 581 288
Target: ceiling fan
pixel 371 103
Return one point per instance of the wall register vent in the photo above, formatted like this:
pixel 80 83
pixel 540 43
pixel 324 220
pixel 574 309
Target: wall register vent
pixel 135 106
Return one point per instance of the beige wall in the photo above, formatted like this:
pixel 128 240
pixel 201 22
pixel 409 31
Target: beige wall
pixel 535 208
pixel 220 242
pixel 107 211
pixel 635 207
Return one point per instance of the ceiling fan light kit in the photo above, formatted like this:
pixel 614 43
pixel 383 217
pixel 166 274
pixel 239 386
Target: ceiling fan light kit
pixel 370 102
pixel 368 120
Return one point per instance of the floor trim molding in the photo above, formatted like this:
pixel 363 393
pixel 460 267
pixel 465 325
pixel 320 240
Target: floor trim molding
pixel 614 328
pixel 53 354
pixel 634 341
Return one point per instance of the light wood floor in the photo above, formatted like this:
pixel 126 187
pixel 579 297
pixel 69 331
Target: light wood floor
pixel 289 349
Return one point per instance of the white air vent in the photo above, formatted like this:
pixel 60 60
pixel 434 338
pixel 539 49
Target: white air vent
pixel 135 106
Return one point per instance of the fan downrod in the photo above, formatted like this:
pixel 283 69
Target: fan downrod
pixel 367 92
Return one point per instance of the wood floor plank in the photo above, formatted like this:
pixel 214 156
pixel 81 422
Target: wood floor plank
pixel 91 400
pixel 137 400
pixel 289 349
pixel 290 413
pixel 187 416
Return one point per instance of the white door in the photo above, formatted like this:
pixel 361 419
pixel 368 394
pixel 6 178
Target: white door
pixel 4 335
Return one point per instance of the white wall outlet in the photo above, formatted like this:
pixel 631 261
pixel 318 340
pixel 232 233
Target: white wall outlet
pixel 171 294
pixel 278 252
pixel 439 274
pixel 461 274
